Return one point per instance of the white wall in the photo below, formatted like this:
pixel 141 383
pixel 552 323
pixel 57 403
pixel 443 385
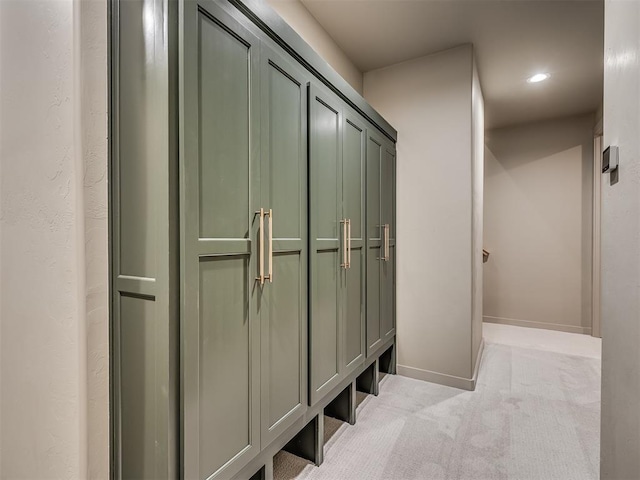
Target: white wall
pixel 53 318
pixel 538 224
pixel 429 101
pixel 305 25
pixel 620 250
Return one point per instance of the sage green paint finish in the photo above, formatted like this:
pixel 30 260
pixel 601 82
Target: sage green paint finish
pixel 354 313
pixel 326 130
pixel 283 302
pixel 388 269
pixel 136 153
pixel 143 242
pixel 220 318
pixel 225 345
pixel 325 182
pixel 224 143
pixel 374 239
pixel 337 166
pixel 380 211
pixel 217 244
pixel 353 201
pixel 139 336
pixel 325 326
pixel 282 379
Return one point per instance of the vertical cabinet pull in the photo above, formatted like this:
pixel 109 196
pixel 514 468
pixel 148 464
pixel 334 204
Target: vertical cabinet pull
pixel 260 277
pixel 343 222
pixel 386 242
pixel 270 276
pixel 349 243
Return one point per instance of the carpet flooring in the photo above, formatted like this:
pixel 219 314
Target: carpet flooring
pixel 534 415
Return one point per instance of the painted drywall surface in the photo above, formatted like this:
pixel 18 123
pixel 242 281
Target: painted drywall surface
pixel 305 25
pixel 93 130
pixel 428 100
pixel 41 356
pixel 53 305
pixel 538 224
pixel 620 249
pixel 477 209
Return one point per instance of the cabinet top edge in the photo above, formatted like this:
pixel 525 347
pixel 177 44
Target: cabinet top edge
pixel 268 20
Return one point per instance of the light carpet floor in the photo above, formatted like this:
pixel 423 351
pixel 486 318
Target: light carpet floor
pixel 534 415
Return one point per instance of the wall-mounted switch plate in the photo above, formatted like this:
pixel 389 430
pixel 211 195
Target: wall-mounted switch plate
pixel 609 159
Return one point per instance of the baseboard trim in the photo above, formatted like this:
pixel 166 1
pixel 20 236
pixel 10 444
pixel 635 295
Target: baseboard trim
pixel 478 361
pixel 530 324
pixel 443 378
pixel 435 377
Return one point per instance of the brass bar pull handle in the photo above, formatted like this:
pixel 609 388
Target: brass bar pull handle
pixel 270 276
pixel 386 242
pixel 349 243
pixel 260 277
pixel 343 222
pixel 381 257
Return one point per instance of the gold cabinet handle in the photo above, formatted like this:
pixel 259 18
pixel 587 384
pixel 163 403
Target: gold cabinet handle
pixel 349 243
pixel 260 277
pixel 343 222
pixel 386 242
pixel 270 276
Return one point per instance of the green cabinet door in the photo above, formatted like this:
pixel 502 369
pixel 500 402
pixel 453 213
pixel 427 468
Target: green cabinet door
pixel 219 168
pixel 283 297
pixel 327 251
pixel 353 202
pixel 388 265
pixel 375 234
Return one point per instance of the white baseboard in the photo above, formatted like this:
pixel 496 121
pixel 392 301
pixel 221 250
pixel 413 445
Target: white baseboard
pixel 530 324
pixel 443 378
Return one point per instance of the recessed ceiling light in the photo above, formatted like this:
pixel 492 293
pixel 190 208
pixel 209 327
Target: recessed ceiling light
pixel 538 77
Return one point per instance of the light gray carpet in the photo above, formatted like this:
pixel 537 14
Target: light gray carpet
pixel 534 415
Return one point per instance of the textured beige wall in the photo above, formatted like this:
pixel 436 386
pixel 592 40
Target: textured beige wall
pixel 429 101
pixel 93 73
pixel 42 355
pixel 305 25
pixel 53 236
pixel 620 249
pixel 538 224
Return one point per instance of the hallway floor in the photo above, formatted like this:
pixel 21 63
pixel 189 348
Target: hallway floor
pixel 535 414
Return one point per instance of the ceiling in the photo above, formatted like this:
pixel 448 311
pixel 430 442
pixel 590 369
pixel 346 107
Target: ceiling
pixel 513 40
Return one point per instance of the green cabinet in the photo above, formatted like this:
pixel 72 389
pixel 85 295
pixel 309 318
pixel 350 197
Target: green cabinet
pixel 336 159
pixel 248 189
pixel 220 187
pixel 380 241
pixel 388 265
pixel 244 238
pixel 283 299
pixel 353 194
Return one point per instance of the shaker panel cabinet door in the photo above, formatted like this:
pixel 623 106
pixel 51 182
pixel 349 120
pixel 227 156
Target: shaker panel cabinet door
pixel 375 237
pixel 353 187
pixel 219 168
pixel 327 252
pixel 283 296
pixel 388 280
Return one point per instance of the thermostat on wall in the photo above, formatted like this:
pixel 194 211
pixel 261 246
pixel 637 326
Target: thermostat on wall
pixel 609 159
